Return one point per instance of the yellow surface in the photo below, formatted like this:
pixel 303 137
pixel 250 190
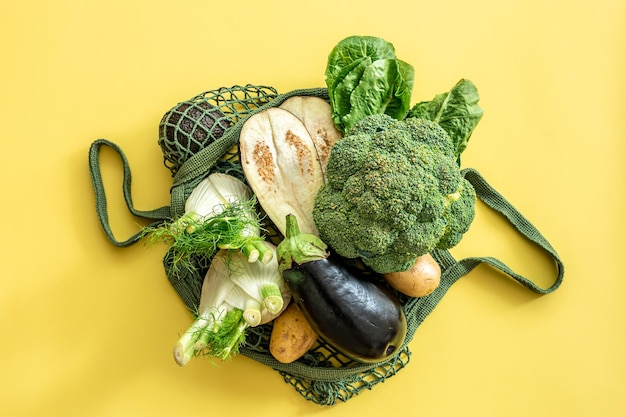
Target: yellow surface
pixel 87 328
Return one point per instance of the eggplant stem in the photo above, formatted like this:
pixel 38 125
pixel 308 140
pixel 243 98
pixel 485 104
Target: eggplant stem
pixel 298 247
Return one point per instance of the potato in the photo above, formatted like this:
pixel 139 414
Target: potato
pixel 292 336
pixel 419 280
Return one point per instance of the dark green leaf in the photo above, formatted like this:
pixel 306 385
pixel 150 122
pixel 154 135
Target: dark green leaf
pixel 352 49
pixel 400 101
pixel 456 111
pixel 342 91
pixel 364 77
pixel 384 87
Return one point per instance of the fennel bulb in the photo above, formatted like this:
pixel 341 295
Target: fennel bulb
pixel 226 309
pixel 261 282
pixel 220 213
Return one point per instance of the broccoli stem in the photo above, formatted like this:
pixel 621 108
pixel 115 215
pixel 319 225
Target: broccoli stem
pixel 298 247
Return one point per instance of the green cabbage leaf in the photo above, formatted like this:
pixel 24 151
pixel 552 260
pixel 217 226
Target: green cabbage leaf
pixel 364 77
pixel 456 111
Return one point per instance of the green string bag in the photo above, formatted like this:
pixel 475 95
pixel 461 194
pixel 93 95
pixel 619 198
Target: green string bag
pixel 323 375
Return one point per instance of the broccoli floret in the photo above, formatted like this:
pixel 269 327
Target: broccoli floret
pixel 394 192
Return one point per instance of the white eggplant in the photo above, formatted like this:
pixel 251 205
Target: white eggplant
pixel 315 114
pixel 282 166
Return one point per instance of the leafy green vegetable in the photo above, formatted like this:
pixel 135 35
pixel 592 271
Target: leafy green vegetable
pixel 364 77
pixel 457 111
pixel 350 51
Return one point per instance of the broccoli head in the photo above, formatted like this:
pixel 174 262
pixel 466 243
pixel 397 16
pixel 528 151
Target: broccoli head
pixel 394 192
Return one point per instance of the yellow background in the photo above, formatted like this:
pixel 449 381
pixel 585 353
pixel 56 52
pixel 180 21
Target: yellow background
pixel 87 328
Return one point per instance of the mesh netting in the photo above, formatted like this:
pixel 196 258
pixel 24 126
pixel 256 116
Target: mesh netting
pixel 192 125
pixel 323 375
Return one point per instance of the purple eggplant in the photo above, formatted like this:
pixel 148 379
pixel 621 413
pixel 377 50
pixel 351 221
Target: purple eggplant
pixel 351 310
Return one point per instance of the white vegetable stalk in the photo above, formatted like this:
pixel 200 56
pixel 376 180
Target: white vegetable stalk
pixel 251 307
pixel 215 289
pixel 260 281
